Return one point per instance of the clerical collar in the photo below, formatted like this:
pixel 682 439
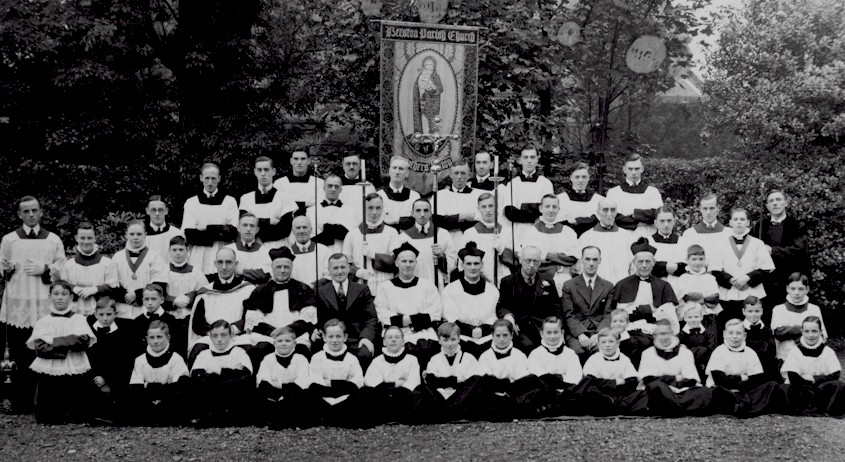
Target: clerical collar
pixel 739 349
pixel 334 355
pixel 473 288
pixel 553 349
pixel 36 230
pixel 503 353
pixel 777 221
pixel 210 194
pixel 157 313
pixel 112 327
pixel 398 282
pixel 748 325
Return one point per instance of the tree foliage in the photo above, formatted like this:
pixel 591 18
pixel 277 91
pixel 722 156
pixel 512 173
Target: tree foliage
pixel 777 78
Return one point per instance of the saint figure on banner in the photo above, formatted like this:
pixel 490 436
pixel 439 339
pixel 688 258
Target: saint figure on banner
pixel 427 91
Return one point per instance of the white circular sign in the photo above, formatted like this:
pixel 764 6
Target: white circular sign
pixel 646 54
pixel 569 33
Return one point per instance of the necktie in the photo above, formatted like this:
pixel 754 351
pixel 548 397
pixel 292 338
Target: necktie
pixel 341 297
pixel 590 287
pixel 31 234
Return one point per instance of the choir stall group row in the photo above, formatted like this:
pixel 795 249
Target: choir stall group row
pixel 140 239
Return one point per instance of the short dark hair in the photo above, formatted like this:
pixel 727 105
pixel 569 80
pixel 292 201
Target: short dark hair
pixel 28 199
pixel 178 240
pixel 85 225
pixel 263 159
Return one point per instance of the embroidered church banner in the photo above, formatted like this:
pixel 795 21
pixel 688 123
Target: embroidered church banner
pixel 429 86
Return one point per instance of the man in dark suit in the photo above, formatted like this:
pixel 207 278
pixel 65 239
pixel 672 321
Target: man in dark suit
pixel 786 240
pixel 644 296
pixel 526 299
pixel 584 303
pixel 351 303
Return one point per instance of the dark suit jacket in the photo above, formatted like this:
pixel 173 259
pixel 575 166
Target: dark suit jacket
pixel 584 313
pixel 625 291
pixel 790 254
pixel 528 305
pixel 359 314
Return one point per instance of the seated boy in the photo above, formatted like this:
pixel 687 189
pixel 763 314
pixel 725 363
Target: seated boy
pixel 450 380
pixel 632 342
pixel 391 378
pixel 185 281
pixel 282 379
pixel 736 376
pixel 336 376
pixel 110 357
pixel 557 366
pixel 159 380
pixel 700 339
pixel 610 381
pixel 759 337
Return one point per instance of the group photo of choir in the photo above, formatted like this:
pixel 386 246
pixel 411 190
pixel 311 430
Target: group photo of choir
pixel 320 300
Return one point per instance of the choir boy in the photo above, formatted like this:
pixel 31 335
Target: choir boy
pixel 609 386
pixel 557 367
pixel 137 266
pixel 91 274
pixel 739 384
pixel 759 337
pixel 282 380
pixel 667 369
pixel 185 282
pixel 697 337
pixel 336 376
pixel 391 379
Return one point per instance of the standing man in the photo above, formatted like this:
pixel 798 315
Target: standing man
pixel 312 259
pixel 710 233
pixel 577 201
pixel 584 302
pixel 398 198
pixel 210 220
pixel 481 180
pixel 333 217
pixel 298 185
pixel 520 198
pixel 786 240
pixel 376 251
pixel 273 208
pixel 352 303
pixel 613 241
pixel 352 192
pixel 457 204
pixel 527 298
pixel 28 257
pixel 492 238
pixel 421 236
pixel 637 201
pixel 253 257
pixel 159 231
